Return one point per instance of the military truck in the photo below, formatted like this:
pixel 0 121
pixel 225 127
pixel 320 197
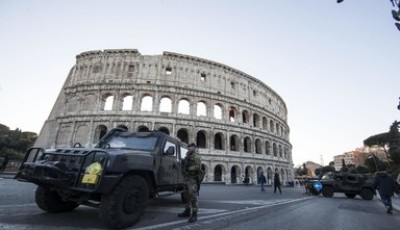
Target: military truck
pixel 348 183
pixel 118 175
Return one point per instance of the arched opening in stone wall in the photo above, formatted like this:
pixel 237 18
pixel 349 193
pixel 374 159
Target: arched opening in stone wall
pixel 165 105
pixel 265 123
pixel 277 129
pixel 271 126
pixel 245 117
pixel 248 173
pixel 81 136
pixel 122 127
pixel 143 129
pixel 256 120
pixel 247 144
pixel 109 100
pixel 280 151
pixel 89 103
pixel 218 111
pixel 164 130
pixel 219 141
pixel 72 104
pixel 127 102
pixel 100 131
pixel 267 148
pixel 201 109
pixel 235 172
pixel 258 146
pixel 232 114
pixel 283 176
pixel 274 150
pixel 234 143
pixel 146 103
pixel 218 173
pixel 183 135
pixel 269 175
pixel 184 106
pixel 201 140
pixel 259 171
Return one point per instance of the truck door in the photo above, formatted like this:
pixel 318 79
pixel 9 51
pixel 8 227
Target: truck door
pixel 170 165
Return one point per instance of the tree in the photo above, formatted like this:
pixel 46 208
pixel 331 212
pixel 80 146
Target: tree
pixel 394 143
pixel 305 169
pixel 323 170
pixel 343 169
pixel 391 139
pixel 14 143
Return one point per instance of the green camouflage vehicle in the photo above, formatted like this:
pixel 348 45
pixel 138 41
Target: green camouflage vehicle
pixel 118 175
pixel 348 183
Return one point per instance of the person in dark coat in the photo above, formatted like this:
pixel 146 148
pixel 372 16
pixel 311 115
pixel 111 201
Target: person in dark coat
pixel 262 180
pixel 386 187
pixel 277 183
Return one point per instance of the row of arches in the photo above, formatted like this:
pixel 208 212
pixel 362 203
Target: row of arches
pixel 201 108
pixel 236 174
pixel 218 141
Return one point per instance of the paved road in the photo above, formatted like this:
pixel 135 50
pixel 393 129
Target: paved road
pixel 221 207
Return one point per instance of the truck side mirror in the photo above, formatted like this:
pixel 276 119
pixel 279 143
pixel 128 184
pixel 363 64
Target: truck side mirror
pixel 170 151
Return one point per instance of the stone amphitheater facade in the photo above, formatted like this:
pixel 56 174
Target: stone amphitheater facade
pixel 238 122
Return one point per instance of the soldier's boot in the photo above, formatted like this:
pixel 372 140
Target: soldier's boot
pixel 185 213
pixel 193 217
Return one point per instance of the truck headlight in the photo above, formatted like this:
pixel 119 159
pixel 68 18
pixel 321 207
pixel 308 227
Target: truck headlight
pixel 94 169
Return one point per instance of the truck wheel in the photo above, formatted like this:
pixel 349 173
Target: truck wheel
pixel 51 202
pixel 126 203
pixel 350 195
pixel 366 194
pixel 327 192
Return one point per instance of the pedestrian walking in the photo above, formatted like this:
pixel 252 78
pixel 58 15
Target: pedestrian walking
pixel 191 169
pixel 386 187
pixel 262 180
pixel 277 183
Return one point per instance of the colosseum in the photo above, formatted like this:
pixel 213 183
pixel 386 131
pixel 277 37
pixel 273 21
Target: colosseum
pixel 238 123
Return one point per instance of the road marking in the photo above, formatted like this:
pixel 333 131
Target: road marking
pixel 34 227
pixel 16 205
pixel 254 202
pixel 222 214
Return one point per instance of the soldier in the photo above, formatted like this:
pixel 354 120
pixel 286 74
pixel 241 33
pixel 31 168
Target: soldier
pixel 191 169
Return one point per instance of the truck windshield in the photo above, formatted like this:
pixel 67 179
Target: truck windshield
pixel 132 142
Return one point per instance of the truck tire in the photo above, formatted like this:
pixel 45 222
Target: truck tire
pixel 124 206
pixel 327 191
pixel 350 195
pixel 51 202
pixel 367 194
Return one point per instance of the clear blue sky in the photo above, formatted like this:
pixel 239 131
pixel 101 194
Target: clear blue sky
pixel 335 65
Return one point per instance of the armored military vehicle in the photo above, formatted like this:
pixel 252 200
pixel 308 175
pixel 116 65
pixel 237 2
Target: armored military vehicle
pixel 117 176
pixel 348 183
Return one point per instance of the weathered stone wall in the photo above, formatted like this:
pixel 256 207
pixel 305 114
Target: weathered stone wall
pixel 250 136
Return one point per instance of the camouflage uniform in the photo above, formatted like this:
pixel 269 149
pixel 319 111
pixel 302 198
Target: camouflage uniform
pixel 191 170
